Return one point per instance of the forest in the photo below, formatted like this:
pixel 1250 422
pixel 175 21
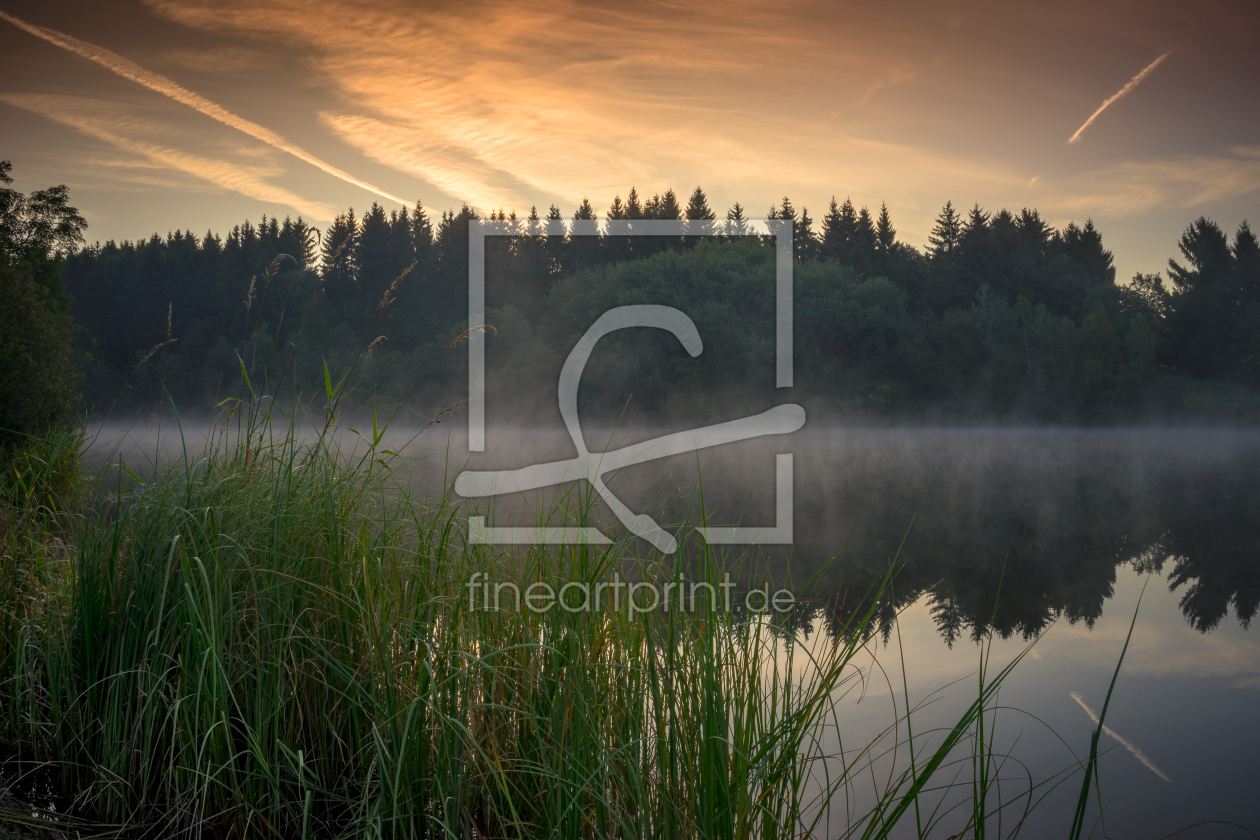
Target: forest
pixel 1001 317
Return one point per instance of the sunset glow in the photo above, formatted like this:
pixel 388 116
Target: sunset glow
pixel 526 104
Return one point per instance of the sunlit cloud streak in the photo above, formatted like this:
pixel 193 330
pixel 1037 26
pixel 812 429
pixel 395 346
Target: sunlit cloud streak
pixel 134 72
pixel 1134 82
pixel 1128 745
pixel 513 104
pixel 510 103
pixel 84 115
pixel 1134 187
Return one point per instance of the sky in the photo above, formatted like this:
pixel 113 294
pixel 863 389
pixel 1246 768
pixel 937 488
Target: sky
pixel 163 114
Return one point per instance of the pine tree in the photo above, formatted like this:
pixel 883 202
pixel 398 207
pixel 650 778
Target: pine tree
pixel 885 233
pixel 945 233
pixel 699 215
pixel 338 260
pixel 402 248
pixel 634 210
pixel 585 212
pixel 619 247
pixel 976 225
pixel 865 238
pixel 785 212
pixel 833 243
pixel 554 236
pixel 841 235
pixel 1207 252
pixel 803 242
pixel 736 224
pixel 1084 246
pixel 1246 252
pixel 421 234
pixel 375 260
pixel 584 244
pixel 1034 232
pixel 669 208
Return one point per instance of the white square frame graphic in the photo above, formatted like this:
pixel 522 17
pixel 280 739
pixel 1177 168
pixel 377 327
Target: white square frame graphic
pixel 479 229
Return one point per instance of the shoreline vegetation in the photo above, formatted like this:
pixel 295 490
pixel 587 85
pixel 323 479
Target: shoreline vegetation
pixel 274 639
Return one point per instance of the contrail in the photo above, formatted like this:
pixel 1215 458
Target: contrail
pixel 1138 754
pixel 130 70
pixel 1134 82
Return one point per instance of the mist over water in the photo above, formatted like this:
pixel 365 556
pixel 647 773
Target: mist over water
pixel 1052 515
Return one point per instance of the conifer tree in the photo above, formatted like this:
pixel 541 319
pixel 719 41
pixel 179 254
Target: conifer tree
pixel 618 248
pixel 634 210
pixel 583 247
pixel 669 207
pixel 652 207
pixel 1084 246
pixel 1208 257
pixel 402 248
pixel 585 212
pixel 699 215
pixel 865 238
pixel 295 241
pixel 849 222
pixel 803 242
pixel 976 225
pixel 554 236
pixel 421 234
pixel 1247 265
pixel 885 233
pixel 833 244
pixel 529 248
pixel 785 212
pixel 945 233
pixel 376 263
pixel 736 224
pixel 1203 318
pixel 1034 232
pixel 338 260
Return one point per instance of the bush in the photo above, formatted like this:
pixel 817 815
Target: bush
pixel 37 363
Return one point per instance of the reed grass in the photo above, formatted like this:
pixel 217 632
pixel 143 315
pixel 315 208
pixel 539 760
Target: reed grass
pixel 275 639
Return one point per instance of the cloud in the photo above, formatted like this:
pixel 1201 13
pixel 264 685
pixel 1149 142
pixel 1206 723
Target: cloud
pixel 102 121
pixel 1177 181
pixel 1128 745
pixel 219 60
pixel 495 103
pixel 134 72
pixel 513 104
pixel 1124 91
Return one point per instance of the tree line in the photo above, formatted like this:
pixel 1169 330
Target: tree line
pixel 1001 315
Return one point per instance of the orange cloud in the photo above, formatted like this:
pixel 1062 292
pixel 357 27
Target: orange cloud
pixel 512 104
pixel 133 72
pixel 102 121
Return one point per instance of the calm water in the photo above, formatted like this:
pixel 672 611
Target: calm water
pixel 1046 534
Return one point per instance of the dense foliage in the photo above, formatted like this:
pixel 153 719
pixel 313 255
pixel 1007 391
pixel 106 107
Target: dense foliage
pixel 1001 316
pixel 37 359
